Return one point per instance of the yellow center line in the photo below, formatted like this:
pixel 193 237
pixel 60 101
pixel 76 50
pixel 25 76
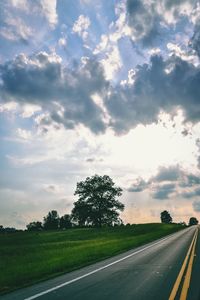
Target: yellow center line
pixel 186 283
pixel 180 275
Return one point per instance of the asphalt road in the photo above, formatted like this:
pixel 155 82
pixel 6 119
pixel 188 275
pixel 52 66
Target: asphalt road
pixel 148 272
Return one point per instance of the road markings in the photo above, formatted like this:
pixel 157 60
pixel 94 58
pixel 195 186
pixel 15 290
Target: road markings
pixel 95 271
pixel 186 283
pixel 180 275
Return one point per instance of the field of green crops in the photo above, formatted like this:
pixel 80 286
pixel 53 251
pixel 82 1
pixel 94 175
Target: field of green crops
pixel 28 257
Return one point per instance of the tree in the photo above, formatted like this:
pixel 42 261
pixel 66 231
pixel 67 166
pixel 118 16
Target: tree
pixel 34 226
pixel 51 221
pixel 165 217
pixel 65 222
pixel 97 204
pixel 193 221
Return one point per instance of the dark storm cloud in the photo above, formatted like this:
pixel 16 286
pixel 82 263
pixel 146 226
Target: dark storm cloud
pixel 139 186
pixel 171 173
pixel 147 19
pixel 190 180
pixel 166 182
pixel 164 191
pixel 65 93
pixel 194 193
pixel 144 21
pixel 195 41
pixel 160 85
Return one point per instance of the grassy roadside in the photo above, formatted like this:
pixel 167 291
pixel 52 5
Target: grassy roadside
pixel 26 257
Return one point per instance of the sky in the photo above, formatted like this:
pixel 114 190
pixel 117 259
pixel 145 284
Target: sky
pixel 99 87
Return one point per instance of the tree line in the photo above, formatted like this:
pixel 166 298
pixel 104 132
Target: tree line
pixel 97 206
pixel 167 219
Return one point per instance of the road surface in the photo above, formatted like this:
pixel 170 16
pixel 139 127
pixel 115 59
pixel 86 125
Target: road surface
pixel 156 271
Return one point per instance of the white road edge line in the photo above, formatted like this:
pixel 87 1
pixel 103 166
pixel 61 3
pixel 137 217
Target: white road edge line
pixel 95 271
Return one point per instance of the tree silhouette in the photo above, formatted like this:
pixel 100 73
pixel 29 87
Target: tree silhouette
pixel 65 222
pixel 34 226
pixel 165 217
pixel 51 221
pixel 193 221
pixel 97 204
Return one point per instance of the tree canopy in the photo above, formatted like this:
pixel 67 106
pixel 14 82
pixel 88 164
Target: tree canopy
pixel 165 217
pixel 65 222
pixel 193 221
pixel 34 226
pixel 51 221
pixel 97 204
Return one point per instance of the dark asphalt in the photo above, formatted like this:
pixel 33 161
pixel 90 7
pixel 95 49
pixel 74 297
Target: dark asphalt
pixel 194 290
pixel 149 273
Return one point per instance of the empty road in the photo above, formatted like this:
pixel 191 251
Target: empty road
pixel 168 268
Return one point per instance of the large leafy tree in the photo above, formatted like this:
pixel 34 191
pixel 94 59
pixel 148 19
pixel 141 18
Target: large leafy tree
pixel 165 217
pixel 97 204
pixel 193 221
pixel 51 221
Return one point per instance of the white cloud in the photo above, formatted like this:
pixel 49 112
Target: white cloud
pixel 103 44
pixel 10 106
pixel 24 134
pixel 62 42
pixel 49 10
pixel 112 62
pixel 184 54
pixel 28 110
pixel 45 7
pixel 154 51
pixel 24 21
pixel 130 80
pixel 81 25
pixel 108 45
pixel 16 29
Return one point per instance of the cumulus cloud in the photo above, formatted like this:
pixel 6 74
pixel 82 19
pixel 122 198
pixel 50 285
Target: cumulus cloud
pixel 148 19
pixel 112 62
pixel 191 194
pixel 81 26
pixel 172 173
pixel 65 93
pixel 169 180
pixel 164 191
pixel 16 16
pixel 158 86
pixel 138 186
pixel 108 48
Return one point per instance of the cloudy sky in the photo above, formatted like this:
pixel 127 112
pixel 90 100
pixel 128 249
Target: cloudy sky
pixel 99 87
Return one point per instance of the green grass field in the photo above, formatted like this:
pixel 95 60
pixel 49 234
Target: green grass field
pixel 28 257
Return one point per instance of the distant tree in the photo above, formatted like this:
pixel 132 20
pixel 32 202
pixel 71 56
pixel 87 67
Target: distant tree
pixel 51 221
pixel 193 221
pixel 65 222
pixel 182 223
pixel 10 229
pixel 34 226
pixel 165 217
pixel 97 204
pixel 1 228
